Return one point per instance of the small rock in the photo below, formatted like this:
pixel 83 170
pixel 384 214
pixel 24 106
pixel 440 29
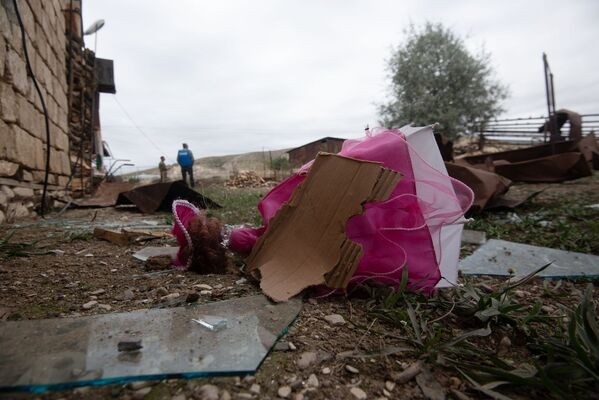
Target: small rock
pixel 326 370
pixel 93 297
pixel 504 346
pixel 128 295
pixel 298 396
pixel 161 291
pixel 105 307
pixel 455 382
pixel 139 385
pixel 520 294
pixel 241 281
pixel 113 270
pixel 89 305
pixel 306 359
pixel 88 255
pixel 206 292
pixel 386 393
pixel 335 319
pixel 208 392
pixel 180 397
pixel 170 296
pixel 97 292
pixel 291 346
pixel 255 388
pixel 547 309
pixel 202 286
pixel 82 390
pixel 389 385
pixel 351 369
pixel 358 393
pixel 284 391
pixel 243 395
pixel 192 297
pixel 130 345
pixel 225 395
pixel 313 381
pixel 141 393
pixel 249 379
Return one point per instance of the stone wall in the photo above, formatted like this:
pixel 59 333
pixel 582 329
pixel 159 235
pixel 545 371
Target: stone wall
pixel 22 126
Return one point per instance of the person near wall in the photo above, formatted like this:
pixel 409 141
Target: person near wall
pixel 185 160
pixel 162 167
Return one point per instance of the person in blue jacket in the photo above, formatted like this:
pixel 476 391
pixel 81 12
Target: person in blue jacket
pixel 185 160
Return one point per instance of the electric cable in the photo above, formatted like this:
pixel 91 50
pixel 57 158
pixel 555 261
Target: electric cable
pixel 139 128
pixel 39 92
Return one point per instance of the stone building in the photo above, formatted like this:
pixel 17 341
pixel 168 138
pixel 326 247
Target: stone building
pixel 64 70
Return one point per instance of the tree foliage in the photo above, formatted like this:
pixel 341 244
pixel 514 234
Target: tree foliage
pixel 434 78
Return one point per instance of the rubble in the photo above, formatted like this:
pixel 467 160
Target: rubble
pixel 246 179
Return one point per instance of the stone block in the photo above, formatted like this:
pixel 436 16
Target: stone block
pixel 27 176
pixel 16 210
pixel 16 71
pixel 60 139
pixel 27 18
pixel 25 148
pixel 2 55
pixel 23 193
pixel 59 162
pixel 7 142
pixel 27 116
pixel 6 26
pixel 63 181
pixel 8 169
pixel 8 103
pixel 3 201
pixel 7 192
pixel 38 175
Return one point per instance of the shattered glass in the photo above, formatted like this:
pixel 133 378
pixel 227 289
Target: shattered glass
pixel 503 258
pixel 38 355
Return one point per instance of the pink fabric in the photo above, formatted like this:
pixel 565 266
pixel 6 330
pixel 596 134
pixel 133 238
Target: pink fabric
pixel 401 231
pixel 183 212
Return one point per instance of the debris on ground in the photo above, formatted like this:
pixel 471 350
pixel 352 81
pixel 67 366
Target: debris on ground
pixel 246 179
pixel 503 258
pixel 166 337
pixel 125 237
pixel 147 198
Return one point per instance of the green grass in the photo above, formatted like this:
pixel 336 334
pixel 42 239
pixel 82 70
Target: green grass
pixel 452 329
pixel 565 224
pixel 239 205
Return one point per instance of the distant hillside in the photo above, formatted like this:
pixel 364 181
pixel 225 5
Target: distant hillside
pixel 223 167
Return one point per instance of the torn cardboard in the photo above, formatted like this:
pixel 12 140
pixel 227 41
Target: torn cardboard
pixel 305 243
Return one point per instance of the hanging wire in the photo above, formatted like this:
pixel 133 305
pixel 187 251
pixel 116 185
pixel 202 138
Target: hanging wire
pixel 139 128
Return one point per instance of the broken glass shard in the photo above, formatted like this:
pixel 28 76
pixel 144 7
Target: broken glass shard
pixel 40 355
pixel 503 258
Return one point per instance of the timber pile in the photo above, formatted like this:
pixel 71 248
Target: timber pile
pixel 245 179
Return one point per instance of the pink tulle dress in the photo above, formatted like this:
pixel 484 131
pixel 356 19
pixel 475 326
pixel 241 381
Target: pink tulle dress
pixel 400 232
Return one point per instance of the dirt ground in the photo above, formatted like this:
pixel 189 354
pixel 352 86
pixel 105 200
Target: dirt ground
pixel 360 358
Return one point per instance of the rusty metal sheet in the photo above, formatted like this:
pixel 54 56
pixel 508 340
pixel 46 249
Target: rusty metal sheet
pixel 160 196
pixel 525 154
pixel 105 195
pixel 487 186
pixel 555 168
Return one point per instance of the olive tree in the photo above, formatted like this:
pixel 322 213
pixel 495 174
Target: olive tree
pixel 434 78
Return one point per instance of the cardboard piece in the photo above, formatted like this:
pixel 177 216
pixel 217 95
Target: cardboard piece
pixel 305 243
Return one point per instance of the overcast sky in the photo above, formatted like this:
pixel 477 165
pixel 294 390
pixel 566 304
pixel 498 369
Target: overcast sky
pixel 232 77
